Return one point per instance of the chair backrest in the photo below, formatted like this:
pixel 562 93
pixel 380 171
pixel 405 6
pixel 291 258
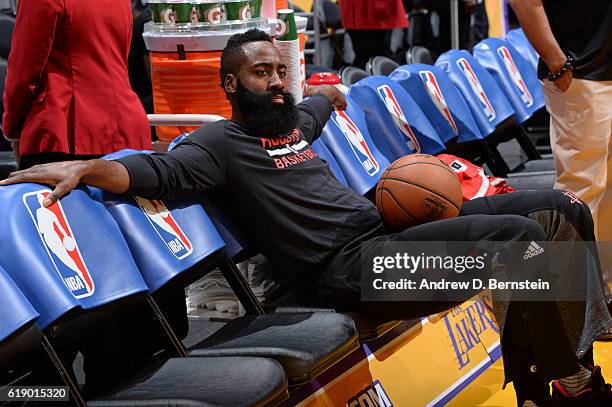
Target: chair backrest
pixel 165 238
pixel 519 41
pixel 515 77
pixel 380 65
pixel 67 256
pixel 487 102
pixel 15 310
pixel 396 123
pixel 350 74
pixel 19 337
pixel 441 102
pixel 7 25
pixel 323 152
pixel 346 135
pixel 419 55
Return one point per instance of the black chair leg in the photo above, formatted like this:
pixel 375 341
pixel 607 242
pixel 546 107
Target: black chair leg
pixel 527 146
pixel 176 343
pixel 63 373
pixel 241 287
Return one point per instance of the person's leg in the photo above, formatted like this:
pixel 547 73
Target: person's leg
pixel 368 43
pixel 602 95
pixel 564 219
pixel 548 345
pixel 580 138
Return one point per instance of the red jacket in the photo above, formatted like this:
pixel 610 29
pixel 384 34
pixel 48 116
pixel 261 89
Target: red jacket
pixel 67 87
pixel 373 14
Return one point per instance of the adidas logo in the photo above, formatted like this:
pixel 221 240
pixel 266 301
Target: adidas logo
pixel 533 250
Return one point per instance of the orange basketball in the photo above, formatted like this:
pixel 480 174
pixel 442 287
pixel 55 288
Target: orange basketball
pixel 415 189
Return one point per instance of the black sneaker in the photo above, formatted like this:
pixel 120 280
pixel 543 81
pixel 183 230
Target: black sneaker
pixel 598 394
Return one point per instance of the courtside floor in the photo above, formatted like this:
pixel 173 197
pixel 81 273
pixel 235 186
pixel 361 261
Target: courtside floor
pixel 449 359
pixel 486 389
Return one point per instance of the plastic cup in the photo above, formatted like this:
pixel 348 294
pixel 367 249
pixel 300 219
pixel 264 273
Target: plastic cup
pixel 255 8
pixel 238 10
pixel 171 13
pixel 210 13
pixel 286 29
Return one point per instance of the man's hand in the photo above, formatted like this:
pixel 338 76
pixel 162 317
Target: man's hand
pixel 564 82
pixel 331 92
pixel 65 176
pixel 15 147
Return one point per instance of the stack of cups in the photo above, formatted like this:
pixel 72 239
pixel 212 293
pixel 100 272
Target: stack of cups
pixel 289 47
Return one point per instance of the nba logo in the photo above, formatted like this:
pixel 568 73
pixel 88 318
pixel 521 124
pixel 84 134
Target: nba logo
pixel 433 89
pixel 387 96
pixel 60 243
pixel 166 227
pixel 477 88
pixel 356 141
pixel 515 75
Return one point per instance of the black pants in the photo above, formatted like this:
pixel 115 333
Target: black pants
pixel 29 160
pixel 539 335
pixel 368 44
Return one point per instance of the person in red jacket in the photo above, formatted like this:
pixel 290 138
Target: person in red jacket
pixel 368 23
pixel 67 93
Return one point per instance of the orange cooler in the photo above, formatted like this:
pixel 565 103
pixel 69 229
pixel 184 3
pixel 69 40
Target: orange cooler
pixel 185 70
pixel 187 86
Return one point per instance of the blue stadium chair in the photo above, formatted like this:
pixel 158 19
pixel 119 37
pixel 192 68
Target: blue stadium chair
pixel 346 136
pixel 74 267
pixel 164 269
pixel 450 115
pixel 191 242
pixel 519 83
pixel 516 78
pixel 519 41
pixel 66 267
pixel 491 110
pixel 323 152
pixel 395 121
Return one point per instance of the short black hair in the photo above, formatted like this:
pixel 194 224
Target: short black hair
pixel 233 54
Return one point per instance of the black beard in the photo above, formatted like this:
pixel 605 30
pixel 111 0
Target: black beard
pixel 264 118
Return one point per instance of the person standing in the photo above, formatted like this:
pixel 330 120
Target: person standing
pixel 67 94
pixel 574 41
pixel 369 24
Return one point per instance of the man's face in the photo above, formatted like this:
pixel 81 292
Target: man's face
pixel 263 70
pixel 258 92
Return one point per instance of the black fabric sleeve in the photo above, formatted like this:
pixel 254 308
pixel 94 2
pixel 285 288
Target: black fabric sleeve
pixel 192 166
pixel 314 113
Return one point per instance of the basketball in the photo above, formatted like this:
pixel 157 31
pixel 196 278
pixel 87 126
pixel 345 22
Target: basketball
pixel 416 189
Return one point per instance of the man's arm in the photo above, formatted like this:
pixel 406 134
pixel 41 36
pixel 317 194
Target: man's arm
pixel 533 19
pixel 318 109
pixel 197 164
pixel 111 176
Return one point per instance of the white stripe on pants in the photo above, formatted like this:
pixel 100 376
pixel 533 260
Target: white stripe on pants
pixel 580 136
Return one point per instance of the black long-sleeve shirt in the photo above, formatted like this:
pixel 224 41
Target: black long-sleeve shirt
pixel 282 194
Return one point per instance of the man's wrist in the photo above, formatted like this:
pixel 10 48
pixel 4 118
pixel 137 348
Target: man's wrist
pixel 555 63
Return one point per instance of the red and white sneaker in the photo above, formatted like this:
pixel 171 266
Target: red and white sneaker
pixel 598 394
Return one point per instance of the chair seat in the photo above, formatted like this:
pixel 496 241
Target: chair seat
pixel 304 343
pixel 539 165
pixel 532 180
pixel 231 381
